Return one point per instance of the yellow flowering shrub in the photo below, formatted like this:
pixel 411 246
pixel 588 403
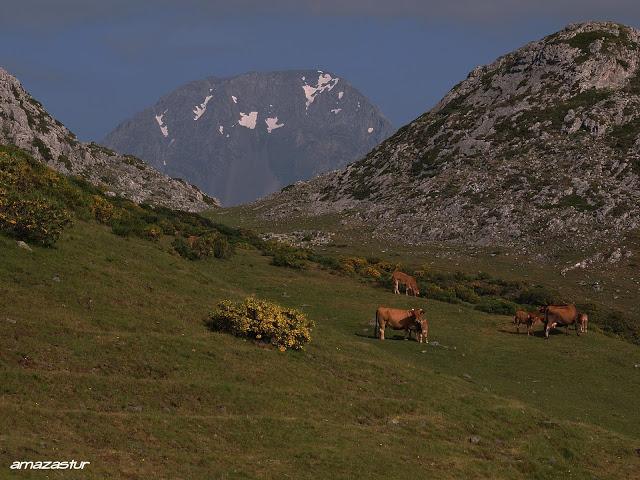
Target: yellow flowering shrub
pixel 254 318
pixel 371 272
pixel 32 219
pixel 102 209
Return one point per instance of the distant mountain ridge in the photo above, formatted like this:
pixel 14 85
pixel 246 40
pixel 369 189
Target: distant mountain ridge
pixel 25 123
pixel 243 137
pixel 540 147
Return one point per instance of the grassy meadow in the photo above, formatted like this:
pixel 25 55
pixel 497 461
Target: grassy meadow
pixel 105 357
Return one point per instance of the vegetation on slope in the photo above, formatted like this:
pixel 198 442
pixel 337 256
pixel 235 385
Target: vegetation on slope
pixel 107 357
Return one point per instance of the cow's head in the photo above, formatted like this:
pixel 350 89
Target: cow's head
pixel 535 318
pixel 549 326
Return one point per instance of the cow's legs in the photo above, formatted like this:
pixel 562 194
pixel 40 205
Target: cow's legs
pixel 381 332
pixel 396 285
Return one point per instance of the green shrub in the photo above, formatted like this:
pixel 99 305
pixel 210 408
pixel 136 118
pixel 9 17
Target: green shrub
pixel 288 259
pixel 195 248
pixel 35 220
pixel 497 305
pixel 262 320
pixel 324 261
pixel 183 249
pixel 466 294
pixel 128 225
pixel 103 210
pixel 435 292
pixel 537 296
pixel 221 248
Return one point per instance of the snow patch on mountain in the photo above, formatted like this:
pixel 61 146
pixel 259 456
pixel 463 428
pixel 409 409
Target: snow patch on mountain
pixel 336 110
pixel 325 83
pixel 370 129
pixel 199 110
pixel 234 98
pixel 272 124
pixel 340 95
pixel 163 128
pixel 248 120
pixel 221 129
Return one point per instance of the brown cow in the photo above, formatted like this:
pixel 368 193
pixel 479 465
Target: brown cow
pixel 520 317
pixel 583 322
pixel 559 316
pixel 527 318
pixel 408 281
pixel 531 322
pixel 398 319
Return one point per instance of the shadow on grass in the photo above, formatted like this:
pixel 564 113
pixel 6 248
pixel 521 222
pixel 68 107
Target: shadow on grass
pixel 387 337
pixel 537 333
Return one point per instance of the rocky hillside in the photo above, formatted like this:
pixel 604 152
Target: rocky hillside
pixel 243 137
pixel 540 147
pixel 25 123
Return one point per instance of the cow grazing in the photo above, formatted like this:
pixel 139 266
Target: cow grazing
pixel 583 322
pixel 533 319
pixel 526 318
pixel 410 284
pixel 397 319
pixel 519 318
pixel 559 316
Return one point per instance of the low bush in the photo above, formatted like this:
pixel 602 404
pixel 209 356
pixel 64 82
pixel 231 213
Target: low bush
pixel 221 247
pixel 288 259
pixel 498 306
pixel 262 320
pixel 435 292
pixel 537 296
pixel 36 220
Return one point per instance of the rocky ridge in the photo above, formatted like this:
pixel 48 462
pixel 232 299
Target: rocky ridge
pixel 25 123
pixel 540 147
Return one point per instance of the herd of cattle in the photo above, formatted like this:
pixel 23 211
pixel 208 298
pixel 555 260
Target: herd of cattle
pixel 413 320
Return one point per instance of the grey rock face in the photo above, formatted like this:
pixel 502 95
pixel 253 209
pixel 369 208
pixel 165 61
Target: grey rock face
pixel 243 137
pixel 25 123
pixel 541 147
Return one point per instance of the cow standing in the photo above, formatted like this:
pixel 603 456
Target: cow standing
pixel 397 319
pixel 519 318
pixel 559 316
pixel 526 318
pixel 410 284
pixel 583 322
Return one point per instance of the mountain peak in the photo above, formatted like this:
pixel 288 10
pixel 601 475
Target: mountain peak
pixel 246 136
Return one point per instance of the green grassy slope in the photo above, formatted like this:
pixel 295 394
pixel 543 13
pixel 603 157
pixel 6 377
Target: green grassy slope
pixel 617 286
pixel 113 364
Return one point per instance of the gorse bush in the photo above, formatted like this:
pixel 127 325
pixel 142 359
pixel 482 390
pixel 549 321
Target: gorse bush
pixel 195 248
pixel 32 199
pixel 497 305
pixel 36 220
pixel 262 320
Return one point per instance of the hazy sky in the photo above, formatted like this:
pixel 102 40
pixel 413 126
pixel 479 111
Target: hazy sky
pixel 95 63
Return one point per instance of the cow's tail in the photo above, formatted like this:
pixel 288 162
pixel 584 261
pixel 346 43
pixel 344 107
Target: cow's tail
pixel 376 326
